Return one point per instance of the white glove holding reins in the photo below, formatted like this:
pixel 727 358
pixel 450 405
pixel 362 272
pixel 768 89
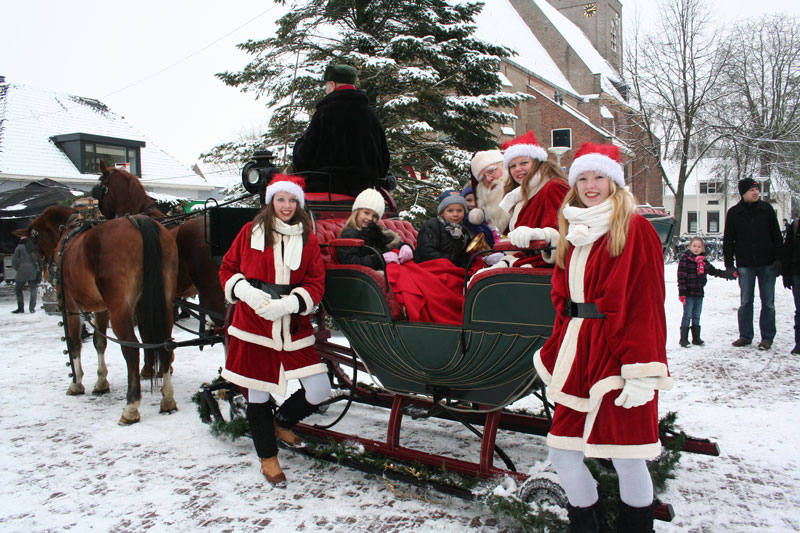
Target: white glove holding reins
pixel 522 236
pixel 277 308
pixel 255 298
pixel 636 392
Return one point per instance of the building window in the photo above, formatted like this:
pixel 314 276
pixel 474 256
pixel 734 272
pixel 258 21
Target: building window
pixel 692 219
pixel 713 202
pixel 95 152
pixel 710 187
pixel 87 150
pixel 712 217
pixel 614 32
pixel 561 137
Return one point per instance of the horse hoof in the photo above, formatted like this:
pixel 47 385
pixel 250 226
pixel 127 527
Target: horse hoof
pixel 126 422
pixel 168 408
pixel 100 392
pixel 77 391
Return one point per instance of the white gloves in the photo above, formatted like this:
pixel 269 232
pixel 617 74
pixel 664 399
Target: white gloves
pixel 636 392
pixel 492 259
pixel 255 298
pixel 522 236
pixel 277 308
pixel 406 254
pixel 391 257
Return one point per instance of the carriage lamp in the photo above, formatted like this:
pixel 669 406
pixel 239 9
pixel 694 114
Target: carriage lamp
pixel 257 173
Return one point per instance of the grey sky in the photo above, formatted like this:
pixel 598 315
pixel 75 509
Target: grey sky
pixel 97 49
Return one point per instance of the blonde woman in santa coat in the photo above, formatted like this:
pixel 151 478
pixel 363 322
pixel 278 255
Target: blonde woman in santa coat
pixel 274 274
pixel 606 358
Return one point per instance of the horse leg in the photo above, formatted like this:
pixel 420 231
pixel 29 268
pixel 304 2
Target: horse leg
pixel 148 368
pixel 122 324
pixel 74 348
pixel 100 342
pixel 168 404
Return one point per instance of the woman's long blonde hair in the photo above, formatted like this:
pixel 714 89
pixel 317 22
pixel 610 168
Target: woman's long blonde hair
pixel 623 206
pixel 546 169
pixel 267 217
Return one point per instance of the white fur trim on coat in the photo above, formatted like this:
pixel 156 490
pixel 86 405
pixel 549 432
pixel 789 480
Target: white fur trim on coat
pixel 278 388
pixel 599 163
pixel 302 293
pixel 229 287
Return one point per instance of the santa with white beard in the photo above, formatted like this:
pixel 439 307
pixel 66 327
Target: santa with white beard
pixel 489 178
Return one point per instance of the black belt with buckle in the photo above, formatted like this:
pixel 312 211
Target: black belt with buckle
pixel 582 310
pixel 273 289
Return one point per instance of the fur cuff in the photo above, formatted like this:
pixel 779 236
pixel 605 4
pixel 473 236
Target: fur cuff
pixel 229 287
pixel 302 293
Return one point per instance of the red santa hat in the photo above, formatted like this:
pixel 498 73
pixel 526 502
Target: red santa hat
pixel 523 145
pixel 600 158
pixel 294 185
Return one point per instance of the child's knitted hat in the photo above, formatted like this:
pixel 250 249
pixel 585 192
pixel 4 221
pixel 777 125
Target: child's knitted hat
pixel 449 197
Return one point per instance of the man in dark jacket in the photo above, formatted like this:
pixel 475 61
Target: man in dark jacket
pixel 753 238
pixel 344 149
pixel 28 270
pixel 791 274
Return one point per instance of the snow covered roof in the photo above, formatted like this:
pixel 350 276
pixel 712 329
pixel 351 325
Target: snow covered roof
pixel 29 117
pixel 579 42
pixel 500 24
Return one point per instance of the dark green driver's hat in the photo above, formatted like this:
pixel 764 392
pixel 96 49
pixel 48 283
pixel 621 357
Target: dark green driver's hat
pixel 341 74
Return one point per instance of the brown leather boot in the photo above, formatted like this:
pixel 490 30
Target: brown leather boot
pixel 272 471
pixel 289 437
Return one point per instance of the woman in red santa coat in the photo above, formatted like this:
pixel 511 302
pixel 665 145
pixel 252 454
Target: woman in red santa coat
pixel 534 205
pixel 273 271
pixel 606 357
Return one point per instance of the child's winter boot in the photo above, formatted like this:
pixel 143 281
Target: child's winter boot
pixel 696 340
pixel 685 337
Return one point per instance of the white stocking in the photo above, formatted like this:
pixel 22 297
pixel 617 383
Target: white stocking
pixel 635 484
pixel 576 480
pixel 317 387
pixel 257 396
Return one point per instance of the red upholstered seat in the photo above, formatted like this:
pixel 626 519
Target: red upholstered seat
pixel 329 229
pixel 511 270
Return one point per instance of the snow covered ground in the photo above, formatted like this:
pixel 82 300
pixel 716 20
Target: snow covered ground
pixel 67 465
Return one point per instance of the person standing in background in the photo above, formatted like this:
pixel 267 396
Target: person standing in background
pixel 791 275
pixel 752 245
pixel 28 272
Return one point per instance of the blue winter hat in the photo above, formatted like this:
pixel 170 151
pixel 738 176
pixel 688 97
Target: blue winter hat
pixel 449 197
pixel 467 191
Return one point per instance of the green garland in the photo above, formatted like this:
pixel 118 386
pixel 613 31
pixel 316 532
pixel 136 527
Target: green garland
pixel 531 518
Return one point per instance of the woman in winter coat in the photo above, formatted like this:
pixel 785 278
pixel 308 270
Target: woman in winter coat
pixel 28 272
pixel 534 205
pixel 445 236
pixel 273 271
pixel 606 357
pixel 693 270
pixel 368 208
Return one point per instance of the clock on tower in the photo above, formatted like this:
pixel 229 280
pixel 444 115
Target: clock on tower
pixel 589 10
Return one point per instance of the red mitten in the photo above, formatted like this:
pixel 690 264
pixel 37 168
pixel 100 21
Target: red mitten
pixel 682 299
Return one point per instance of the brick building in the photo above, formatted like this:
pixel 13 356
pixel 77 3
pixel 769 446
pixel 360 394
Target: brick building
pixel 569 59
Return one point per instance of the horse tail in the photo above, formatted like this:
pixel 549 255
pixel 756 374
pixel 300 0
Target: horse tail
pixel 154 326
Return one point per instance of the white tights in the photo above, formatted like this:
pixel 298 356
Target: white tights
pixel 317 387
pixel 635 484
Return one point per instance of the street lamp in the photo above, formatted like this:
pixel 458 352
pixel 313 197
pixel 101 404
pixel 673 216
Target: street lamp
pixel 558 151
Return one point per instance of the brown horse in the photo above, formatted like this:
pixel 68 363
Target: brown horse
pixel 119 192
pixel 116 269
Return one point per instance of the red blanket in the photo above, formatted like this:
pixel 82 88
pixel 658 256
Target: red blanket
pixel 432 291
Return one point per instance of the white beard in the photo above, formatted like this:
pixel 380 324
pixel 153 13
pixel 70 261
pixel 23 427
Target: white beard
pixel 489 201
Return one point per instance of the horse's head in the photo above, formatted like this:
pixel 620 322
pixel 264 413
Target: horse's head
pixel 118 192
pixel 46 229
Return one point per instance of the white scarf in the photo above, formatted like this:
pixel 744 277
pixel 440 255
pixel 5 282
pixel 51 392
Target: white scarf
pixel 290 234
pixel 587 224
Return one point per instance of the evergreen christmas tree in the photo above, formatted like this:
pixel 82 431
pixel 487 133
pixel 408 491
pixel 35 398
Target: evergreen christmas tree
pixel 434 86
